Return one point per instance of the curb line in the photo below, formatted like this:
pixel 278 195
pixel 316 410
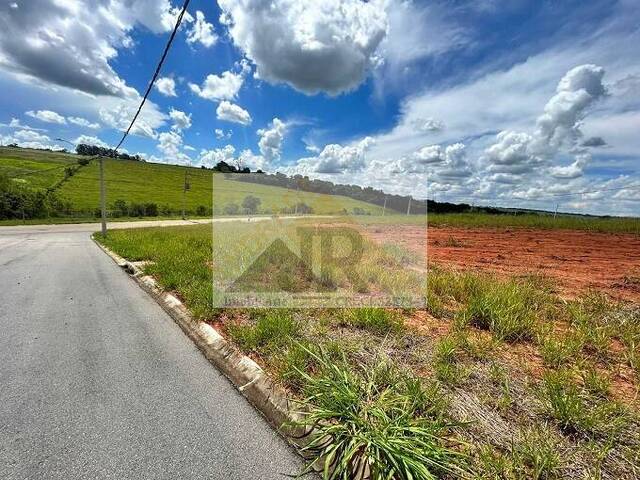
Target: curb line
pixel 245 374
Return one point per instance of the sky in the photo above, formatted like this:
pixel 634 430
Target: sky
pixel 512 103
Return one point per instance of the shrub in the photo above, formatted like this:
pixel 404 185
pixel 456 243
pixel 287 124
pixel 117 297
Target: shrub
pixel 231 209
pixel 201 211
pixel 369 423
pixel 151 209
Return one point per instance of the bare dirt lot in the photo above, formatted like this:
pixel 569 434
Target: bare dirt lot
pixel 577 260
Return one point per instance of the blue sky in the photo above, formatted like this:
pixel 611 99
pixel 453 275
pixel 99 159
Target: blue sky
pixel 512 103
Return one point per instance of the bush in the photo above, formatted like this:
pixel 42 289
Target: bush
pixel 251 204
pixel 151 209
pixel 231 209
pixel 201 211
pixel 137 210
pixel 19 201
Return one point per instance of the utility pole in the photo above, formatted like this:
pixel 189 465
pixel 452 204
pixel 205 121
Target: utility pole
pixel 409 207
pixel 555 212
pixel 103 199
pixel 184 194
pixel 384 207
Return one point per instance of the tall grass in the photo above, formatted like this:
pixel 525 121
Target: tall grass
pixel 370 423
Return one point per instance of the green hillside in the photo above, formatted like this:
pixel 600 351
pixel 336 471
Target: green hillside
pixel 143 183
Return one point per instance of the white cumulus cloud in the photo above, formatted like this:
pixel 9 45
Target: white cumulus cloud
pixel 219 87
pixel 231 112
pixel 271 138
pixel 202 32
pixel 47 116
pixel 327 46
pixel 181 120
pixel 166 86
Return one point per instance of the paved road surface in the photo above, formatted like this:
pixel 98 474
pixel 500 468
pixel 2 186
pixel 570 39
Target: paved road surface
pixel 96 381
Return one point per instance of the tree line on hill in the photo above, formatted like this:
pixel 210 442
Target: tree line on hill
pixel 96 151
pixel 398 203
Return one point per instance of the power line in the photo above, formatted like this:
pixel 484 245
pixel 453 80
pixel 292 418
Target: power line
pixel 156 73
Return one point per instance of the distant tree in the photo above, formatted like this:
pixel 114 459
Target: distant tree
pixel 231 209
pixel 251 204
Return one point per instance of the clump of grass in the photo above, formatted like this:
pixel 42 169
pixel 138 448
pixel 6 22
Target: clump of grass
pixel 575 411
pixel 445 360
pixel 557 351
pixel 536 455
pixel 373 319
pixel 366 427
pixel 505 309
pixel 594 382
pixel 273 329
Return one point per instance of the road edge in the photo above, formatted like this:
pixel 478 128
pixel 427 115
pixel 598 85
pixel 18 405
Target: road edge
pixel 245 374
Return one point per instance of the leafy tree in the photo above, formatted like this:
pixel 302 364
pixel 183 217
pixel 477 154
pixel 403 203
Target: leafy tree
pixel 251 204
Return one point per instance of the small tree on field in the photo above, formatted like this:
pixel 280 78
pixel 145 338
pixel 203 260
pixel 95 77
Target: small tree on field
pixel 251 204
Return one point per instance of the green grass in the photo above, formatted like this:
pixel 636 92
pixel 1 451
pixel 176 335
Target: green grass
pixel 377 320
pixel 375 420
pixel 142 182
pixel 33 168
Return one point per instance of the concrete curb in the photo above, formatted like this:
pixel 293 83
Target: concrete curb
pixel 245 374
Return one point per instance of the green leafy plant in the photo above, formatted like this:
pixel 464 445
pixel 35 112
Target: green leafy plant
pixel 363 426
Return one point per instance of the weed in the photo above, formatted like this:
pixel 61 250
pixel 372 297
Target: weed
pixel 537 454
pixel 556 351
pixel 575 412
pixel 505 310
pixel 272 330
pixel 376 320
pixel 445 361
pixel 594 382
pixel 367 429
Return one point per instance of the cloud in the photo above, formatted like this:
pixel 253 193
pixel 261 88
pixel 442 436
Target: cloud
pixel 232 113
pixel 15 123
pixel 83 122
pixel 47 116
pixel 70 44
pixel 90 140
pixel 270 142
pixel 170 144
pixel 335 158
pixel 556 129
pixel 211 157
pixel 181 121
pixel 29 139
pixel 444 162
pixel 118 115
pixel 166 86
pixel 202 32
pixel 427 125
pixel 223 87
pixel 312 46
pixel 594 142
pixel 221 134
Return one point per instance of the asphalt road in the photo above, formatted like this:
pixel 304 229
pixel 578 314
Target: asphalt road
pixel 96 380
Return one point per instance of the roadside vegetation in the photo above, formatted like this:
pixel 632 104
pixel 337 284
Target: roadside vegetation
pixel 498 378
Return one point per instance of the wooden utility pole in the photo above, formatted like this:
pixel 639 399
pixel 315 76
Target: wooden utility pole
pixel 384 207
pixel 103 199
pixel 409 207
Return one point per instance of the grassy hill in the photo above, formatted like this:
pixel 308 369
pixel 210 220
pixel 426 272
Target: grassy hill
pixel 142 183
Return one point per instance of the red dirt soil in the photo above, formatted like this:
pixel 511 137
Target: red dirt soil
pixel 577 260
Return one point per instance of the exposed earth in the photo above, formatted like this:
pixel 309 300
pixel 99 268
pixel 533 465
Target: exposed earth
pixel 577 260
